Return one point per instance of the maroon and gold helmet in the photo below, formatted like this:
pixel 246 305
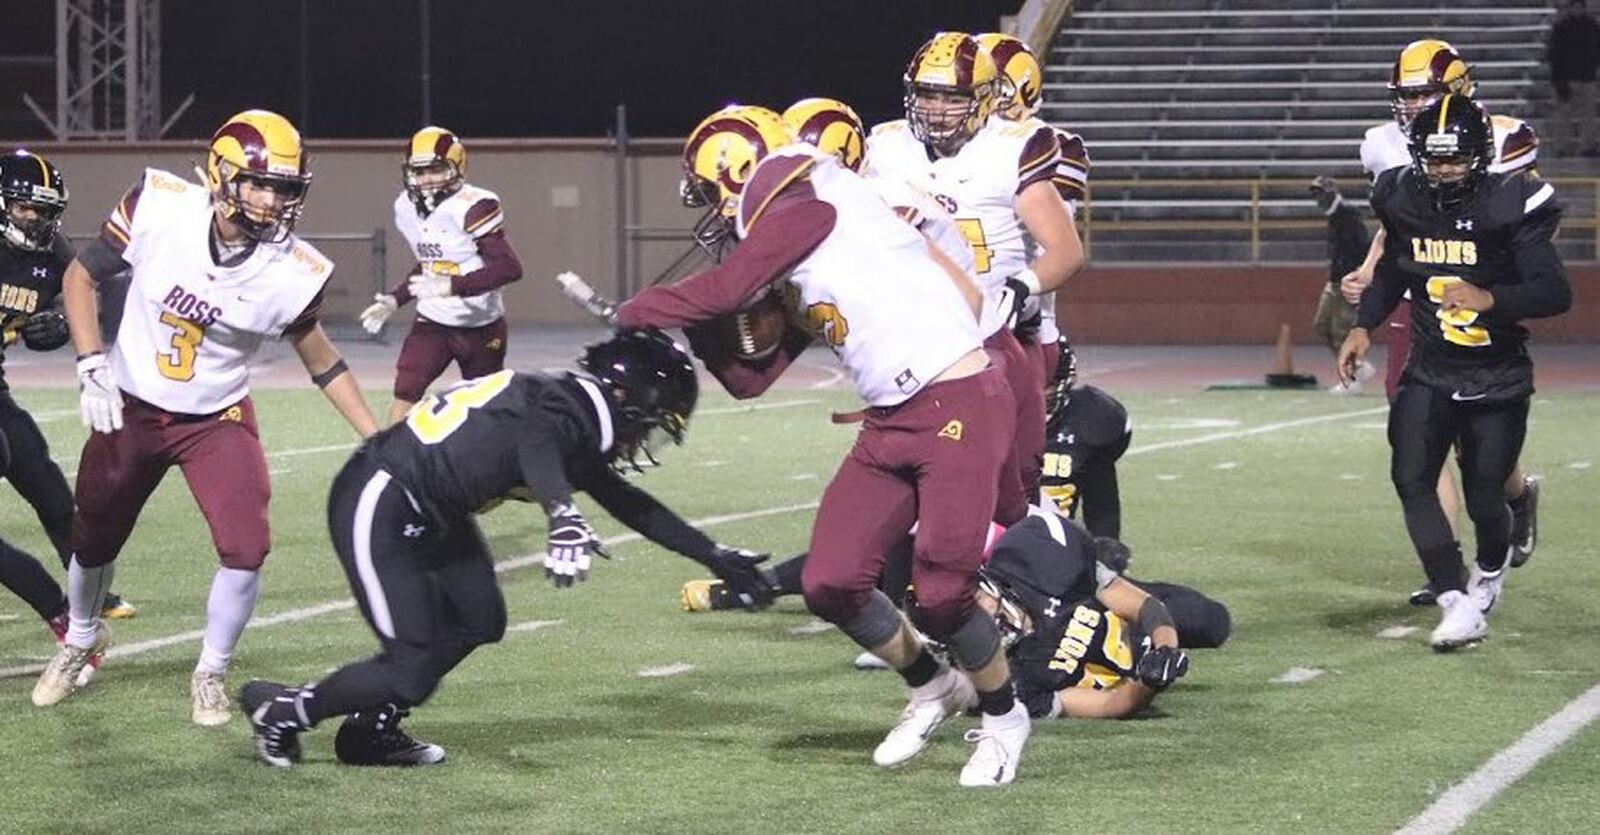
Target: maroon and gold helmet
pixel 263 149
pixel 1021 79
pixel 1424 73
pixel 719 158
pixel 832 126
pixel 433 151
pixel 948 71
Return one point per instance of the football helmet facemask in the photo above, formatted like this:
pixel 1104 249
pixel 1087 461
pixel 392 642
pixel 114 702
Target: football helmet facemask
pixel 1452 145
pixel 1425 71
pixel 435 168
pixel 721 155
pixel 652 389
pixel 950 86
pixel 33 197
pixel 1058 393
pixel 1021 79
pixel 260 149
pixel 832 126
pixel 1011 611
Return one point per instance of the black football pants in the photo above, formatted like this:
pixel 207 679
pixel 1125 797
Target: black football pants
pixel 1423 425
pixel 427 590
pixel 25 461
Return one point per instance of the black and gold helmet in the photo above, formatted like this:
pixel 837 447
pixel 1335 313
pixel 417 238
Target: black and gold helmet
pixel 1455 132
pixel 33 197
pixel 652 390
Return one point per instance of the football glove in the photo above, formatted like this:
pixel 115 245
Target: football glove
pixel 429 285
pixel 100 401
pixel 45 331
pixel 572 546
pixel 738 569
pixel 383 306
pixel 1159 667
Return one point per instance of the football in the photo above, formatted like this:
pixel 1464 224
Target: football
pixel 755 331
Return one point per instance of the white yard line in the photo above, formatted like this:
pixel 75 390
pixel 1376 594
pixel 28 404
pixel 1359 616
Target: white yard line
pixel 1451 810
pixel 756 407
pixel 1254 430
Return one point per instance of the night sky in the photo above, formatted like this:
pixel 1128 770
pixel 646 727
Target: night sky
pixel 526 68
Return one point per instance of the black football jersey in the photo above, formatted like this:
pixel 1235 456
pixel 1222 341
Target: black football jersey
pixel 1086 646
pixel 1093 433
pixel 29 282
pixel 509 435
pixel 1499 240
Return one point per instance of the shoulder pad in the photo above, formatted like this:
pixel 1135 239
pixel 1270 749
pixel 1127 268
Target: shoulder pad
pixel 888 128
pixel 310 261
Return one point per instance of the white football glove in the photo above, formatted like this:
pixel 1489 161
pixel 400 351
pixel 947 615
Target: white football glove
pixel 429 285
pixel 378 312
pixel 572 546
pixel 100 401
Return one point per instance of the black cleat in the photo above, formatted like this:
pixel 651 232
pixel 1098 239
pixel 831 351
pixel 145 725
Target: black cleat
pixel 375 738
pixel 1525 522
pixel 1422 597
pixel 275 721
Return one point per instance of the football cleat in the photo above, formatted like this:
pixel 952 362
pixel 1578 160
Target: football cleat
pixel 945 695
pixel 1484 587
pixel 707 596
pixel 868 662
pixel 999 749
pixel 60 677
pixel 274 722
pixel 58 628
pixel 1461 625
pixel 208 693
pixel 116 608
pixel 375 738
pixel 1423 596
pixel 1525 522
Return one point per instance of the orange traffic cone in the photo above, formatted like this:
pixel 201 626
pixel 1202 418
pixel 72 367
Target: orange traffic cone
pixel 1283 374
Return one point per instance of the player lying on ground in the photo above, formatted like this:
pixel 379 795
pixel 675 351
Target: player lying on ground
pixel 401 518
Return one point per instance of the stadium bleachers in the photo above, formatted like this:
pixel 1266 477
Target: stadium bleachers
pixel 1206 90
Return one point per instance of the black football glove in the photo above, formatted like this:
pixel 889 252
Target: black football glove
pixel 573 545
pixel 1024 317
pixel 45 331
pixel 739 570
pixel 1159 667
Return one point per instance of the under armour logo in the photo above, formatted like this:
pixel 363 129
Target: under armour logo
pixel 41 272
pixel 1464 225
pixel 413 531
pixel 1051 610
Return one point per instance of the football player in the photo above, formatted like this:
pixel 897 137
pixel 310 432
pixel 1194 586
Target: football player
pixel 1425 72
pixel 1087 433
pixel 1085 641
pixel 216 270
pixel 33 255
pixel 994 176
pixel 903 318
pixel 1474 249
pixel 457 232
pixel 401 517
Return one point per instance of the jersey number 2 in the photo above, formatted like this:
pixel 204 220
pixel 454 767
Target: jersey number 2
pixel 435 418
pixel 1456 325
pixel 188 334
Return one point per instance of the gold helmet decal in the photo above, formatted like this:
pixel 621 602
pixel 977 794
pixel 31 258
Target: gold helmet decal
pixel 950 90
pixel 1021 79
pixel 1425 71
pixel 435 167
pixel 261 149
pixel 831 125
pixel 721 155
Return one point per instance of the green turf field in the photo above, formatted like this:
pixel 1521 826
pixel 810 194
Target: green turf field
pixel 1295 528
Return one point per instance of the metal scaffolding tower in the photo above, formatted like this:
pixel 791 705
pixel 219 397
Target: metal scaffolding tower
pixel 108 71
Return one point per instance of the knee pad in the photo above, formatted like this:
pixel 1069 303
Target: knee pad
pixel 975 641
pixel 832 599
pixel 874 623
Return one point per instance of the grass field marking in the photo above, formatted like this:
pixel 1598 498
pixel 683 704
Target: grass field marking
pixel 669 670
pixel 1460 801
pixel 532 625
pixel 1254 430
pixel 757 407
pixel 308 612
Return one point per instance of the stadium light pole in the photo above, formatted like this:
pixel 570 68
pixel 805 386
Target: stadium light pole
pixel 427 76
pixel 305 66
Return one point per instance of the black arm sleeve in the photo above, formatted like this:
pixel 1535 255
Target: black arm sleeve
pixel 539 454
pixel 1388 285
pixel 101 262
pixel 1544 289
pixel 1102 503
pixel 640 511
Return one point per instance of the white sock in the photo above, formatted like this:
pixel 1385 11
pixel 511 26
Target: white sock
pixel 228 609
pixel 86 592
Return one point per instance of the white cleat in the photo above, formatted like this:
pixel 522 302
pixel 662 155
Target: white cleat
pixel 1000 742
pixel 66 671
pixel 947 694
pixel 868 661
pixel 1484 587
pixel 1461 625
pixel 208 692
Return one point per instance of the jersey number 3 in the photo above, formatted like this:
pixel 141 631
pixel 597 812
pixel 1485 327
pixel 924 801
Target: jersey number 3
pixel 1456 325
pixel 435 418
pixel 186 338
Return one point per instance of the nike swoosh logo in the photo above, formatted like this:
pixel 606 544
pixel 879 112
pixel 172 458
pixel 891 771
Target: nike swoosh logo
pixel 1460 398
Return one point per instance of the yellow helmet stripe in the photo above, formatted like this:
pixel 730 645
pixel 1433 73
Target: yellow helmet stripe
pixel 1444 111
pixel 44 168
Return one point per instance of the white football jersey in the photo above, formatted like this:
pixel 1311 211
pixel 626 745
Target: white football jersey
pixel 978 186
pixel 872 291
pixel 1516 146
pixel 1072 181
pixel 190 327
pixel 446 242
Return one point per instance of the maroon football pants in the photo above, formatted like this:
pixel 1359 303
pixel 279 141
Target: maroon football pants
pixel 1019 478
pixel 934 460
pixel 431 347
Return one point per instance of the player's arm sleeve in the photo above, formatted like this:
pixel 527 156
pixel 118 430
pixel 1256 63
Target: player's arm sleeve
pixel 500 266
pixel 1040 156
pixel 1544 289
pixel 402 290
pixel 792 227
pixel 307 317
pixel 641 512
pixel 1102 499
pixel 1388 283
pixel 745 378
pixel 539 456
pixel 101 261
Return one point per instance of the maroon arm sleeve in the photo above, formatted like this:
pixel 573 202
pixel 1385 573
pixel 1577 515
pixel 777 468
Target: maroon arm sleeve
pixel 500 267
pixel 795 223
pixel 402 291
pixel 746 378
